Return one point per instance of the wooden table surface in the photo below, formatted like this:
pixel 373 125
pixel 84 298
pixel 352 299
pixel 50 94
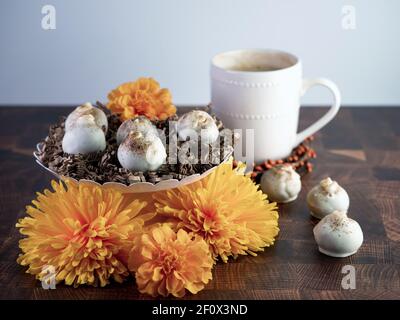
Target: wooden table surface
pixel 360 149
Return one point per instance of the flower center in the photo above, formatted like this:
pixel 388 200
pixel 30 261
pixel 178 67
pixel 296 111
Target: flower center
pixel 168 261
pixel 87 234
pixel 143 101
pixel 211 224
pixel 209 213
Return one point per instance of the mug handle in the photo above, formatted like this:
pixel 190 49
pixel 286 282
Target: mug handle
pixel 307 84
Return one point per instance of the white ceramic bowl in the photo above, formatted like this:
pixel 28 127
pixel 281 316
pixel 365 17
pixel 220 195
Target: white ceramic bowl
pixel 138 187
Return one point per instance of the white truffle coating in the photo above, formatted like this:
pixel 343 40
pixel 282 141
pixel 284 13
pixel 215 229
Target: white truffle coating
pixel 84 137
pixel 139 124
pixel 140 152
pixel 198 123
pixel 99 116
pixel 337 235
pixel 327 197
pixel 281 183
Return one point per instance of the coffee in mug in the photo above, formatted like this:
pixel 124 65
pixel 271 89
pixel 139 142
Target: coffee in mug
pixel 260 90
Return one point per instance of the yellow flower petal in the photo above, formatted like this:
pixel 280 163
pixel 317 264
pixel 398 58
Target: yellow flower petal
pixel 178 262
pixel 82 231
pixel 141 97
pixel 226 209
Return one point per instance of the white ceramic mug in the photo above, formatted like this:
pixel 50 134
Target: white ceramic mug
pixel 260 89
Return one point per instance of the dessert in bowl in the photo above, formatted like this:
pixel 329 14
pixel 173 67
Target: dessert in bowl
pixel 94 145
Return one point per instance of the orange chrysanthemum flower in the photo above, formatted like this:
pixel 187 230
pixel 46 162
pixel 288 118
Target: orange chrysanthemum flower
pixel 79 230
pixel 226 208
pixel 166 262
pixel 142 97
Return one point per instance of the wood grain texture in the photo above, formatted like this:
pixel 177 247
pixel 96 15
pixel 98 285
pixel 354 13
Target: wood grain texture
pixel 360 149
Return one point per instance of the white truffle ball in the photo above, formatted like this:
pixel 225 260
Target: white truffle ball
pixel 281 183
pixel 140 152
pixel 327 197
pixel 337 235
pixel 199 124
pixel 99 116
pixel 84 137
pixel 141 124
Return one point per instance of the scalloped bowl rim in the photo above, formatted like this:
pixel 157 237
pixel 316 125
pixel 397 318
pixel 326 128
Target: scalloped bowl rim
pixel 139 187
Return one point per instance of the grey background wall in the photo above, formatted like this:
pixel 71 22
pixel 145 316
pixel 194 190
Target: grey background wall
pixel 98 44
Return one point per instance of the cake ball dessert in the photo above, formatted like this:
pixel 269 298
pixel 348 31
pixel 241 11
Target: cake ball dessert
pixel 196 124
pixel 138 124
pixel 141 152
